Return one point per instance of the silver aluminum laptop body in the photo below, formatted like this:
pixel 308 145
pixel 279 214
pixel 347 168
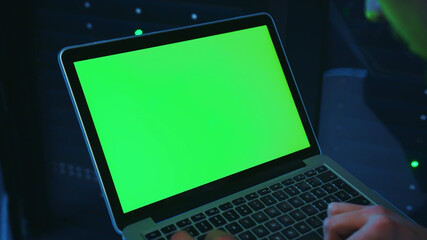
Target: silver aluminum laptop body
pixel 208 196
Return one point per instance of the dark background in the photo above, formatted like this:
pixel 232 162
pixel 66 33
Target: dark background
pixel 365 93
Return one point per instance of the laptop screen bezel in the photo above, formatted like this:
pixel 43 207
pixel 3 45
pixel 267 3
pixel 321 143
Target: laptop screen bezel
pixel 168 206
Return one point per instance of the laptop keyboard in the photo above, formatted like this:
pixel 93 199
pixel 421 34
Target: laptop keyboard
pixel 290 209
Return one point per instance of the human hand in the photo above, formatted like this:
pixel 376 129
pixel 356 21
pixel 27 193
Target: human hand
pixel 354 222
pixel 212 235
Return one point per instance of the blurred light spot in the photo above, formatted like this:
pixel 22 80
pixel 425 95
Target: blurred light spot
pixel 415 163
pixel 138 32
pixel 412 187
pixel 423 117
pixel 89 26
pixel 194 16
pixel 87 4
pixel 409 208
pixel 138 10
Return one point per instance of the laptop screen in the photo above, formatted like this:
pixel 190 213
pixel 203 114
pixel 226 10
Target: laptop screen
pixel 174 117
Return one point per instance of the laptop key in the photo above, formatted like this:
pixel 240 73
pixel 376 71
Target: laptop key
pixel 327 176
pixel 217 220
pixel 268 200
pixel 297 215
pixel 247 222
pixel 280 195
pixel 285 220
pixel 212 211
pixel 351 191
pixel 272 212
pixel 204 226
pixel 284 207
pixel 360 200
pixel 319 192
pixel 296 202
pixel 192 231
pixel 198 217
pixel 320 204
pixel 259 217
pixel 276 186
pixel 291 190
pixel 234 228
pixel 309 210
pixel 256 205
pixel 329 188
pixel 251 196
pixel 260 231
pixel 153 235
pixel 339 183
pixel 322 215
pixel 238 201
pixel 343 196
pixel 276 236
pixel 310 173
pixel 243 210
pixel 183 223
pixel 302 227
pixel 168 229
pixel 264 191
pixel 321 169
pixel 314 222
pixel 225 206
pixel 290 233
pixel 299 177
pixel 314 182
pixel 288 182
pixel 303 186
pixel 247 236
pixel 330 198
pixel 307 197
pixel 342 185
pixel 230 215
pixel 273 225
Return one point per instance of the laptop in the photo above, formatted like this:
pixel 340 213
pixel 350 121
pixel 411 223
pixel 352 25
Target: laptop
pixel 202 128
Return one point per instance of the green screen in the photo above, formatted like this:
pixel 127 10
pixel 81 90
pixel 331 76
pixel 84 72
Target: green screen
pixel 174 117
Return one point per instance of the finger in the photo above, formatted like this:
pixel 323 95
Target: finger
pixel 219 235
pixel 337 208
pixel 342 225
pixel 181 235
pixel 378 227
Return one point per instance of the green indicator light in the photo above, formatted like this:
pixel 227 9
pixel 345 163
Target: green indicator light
pixel 415 164
pixel 138 32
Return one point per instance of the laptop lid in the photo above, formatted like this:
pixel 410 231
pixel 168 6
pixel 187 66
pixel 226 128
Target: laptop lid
pixel 202 111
